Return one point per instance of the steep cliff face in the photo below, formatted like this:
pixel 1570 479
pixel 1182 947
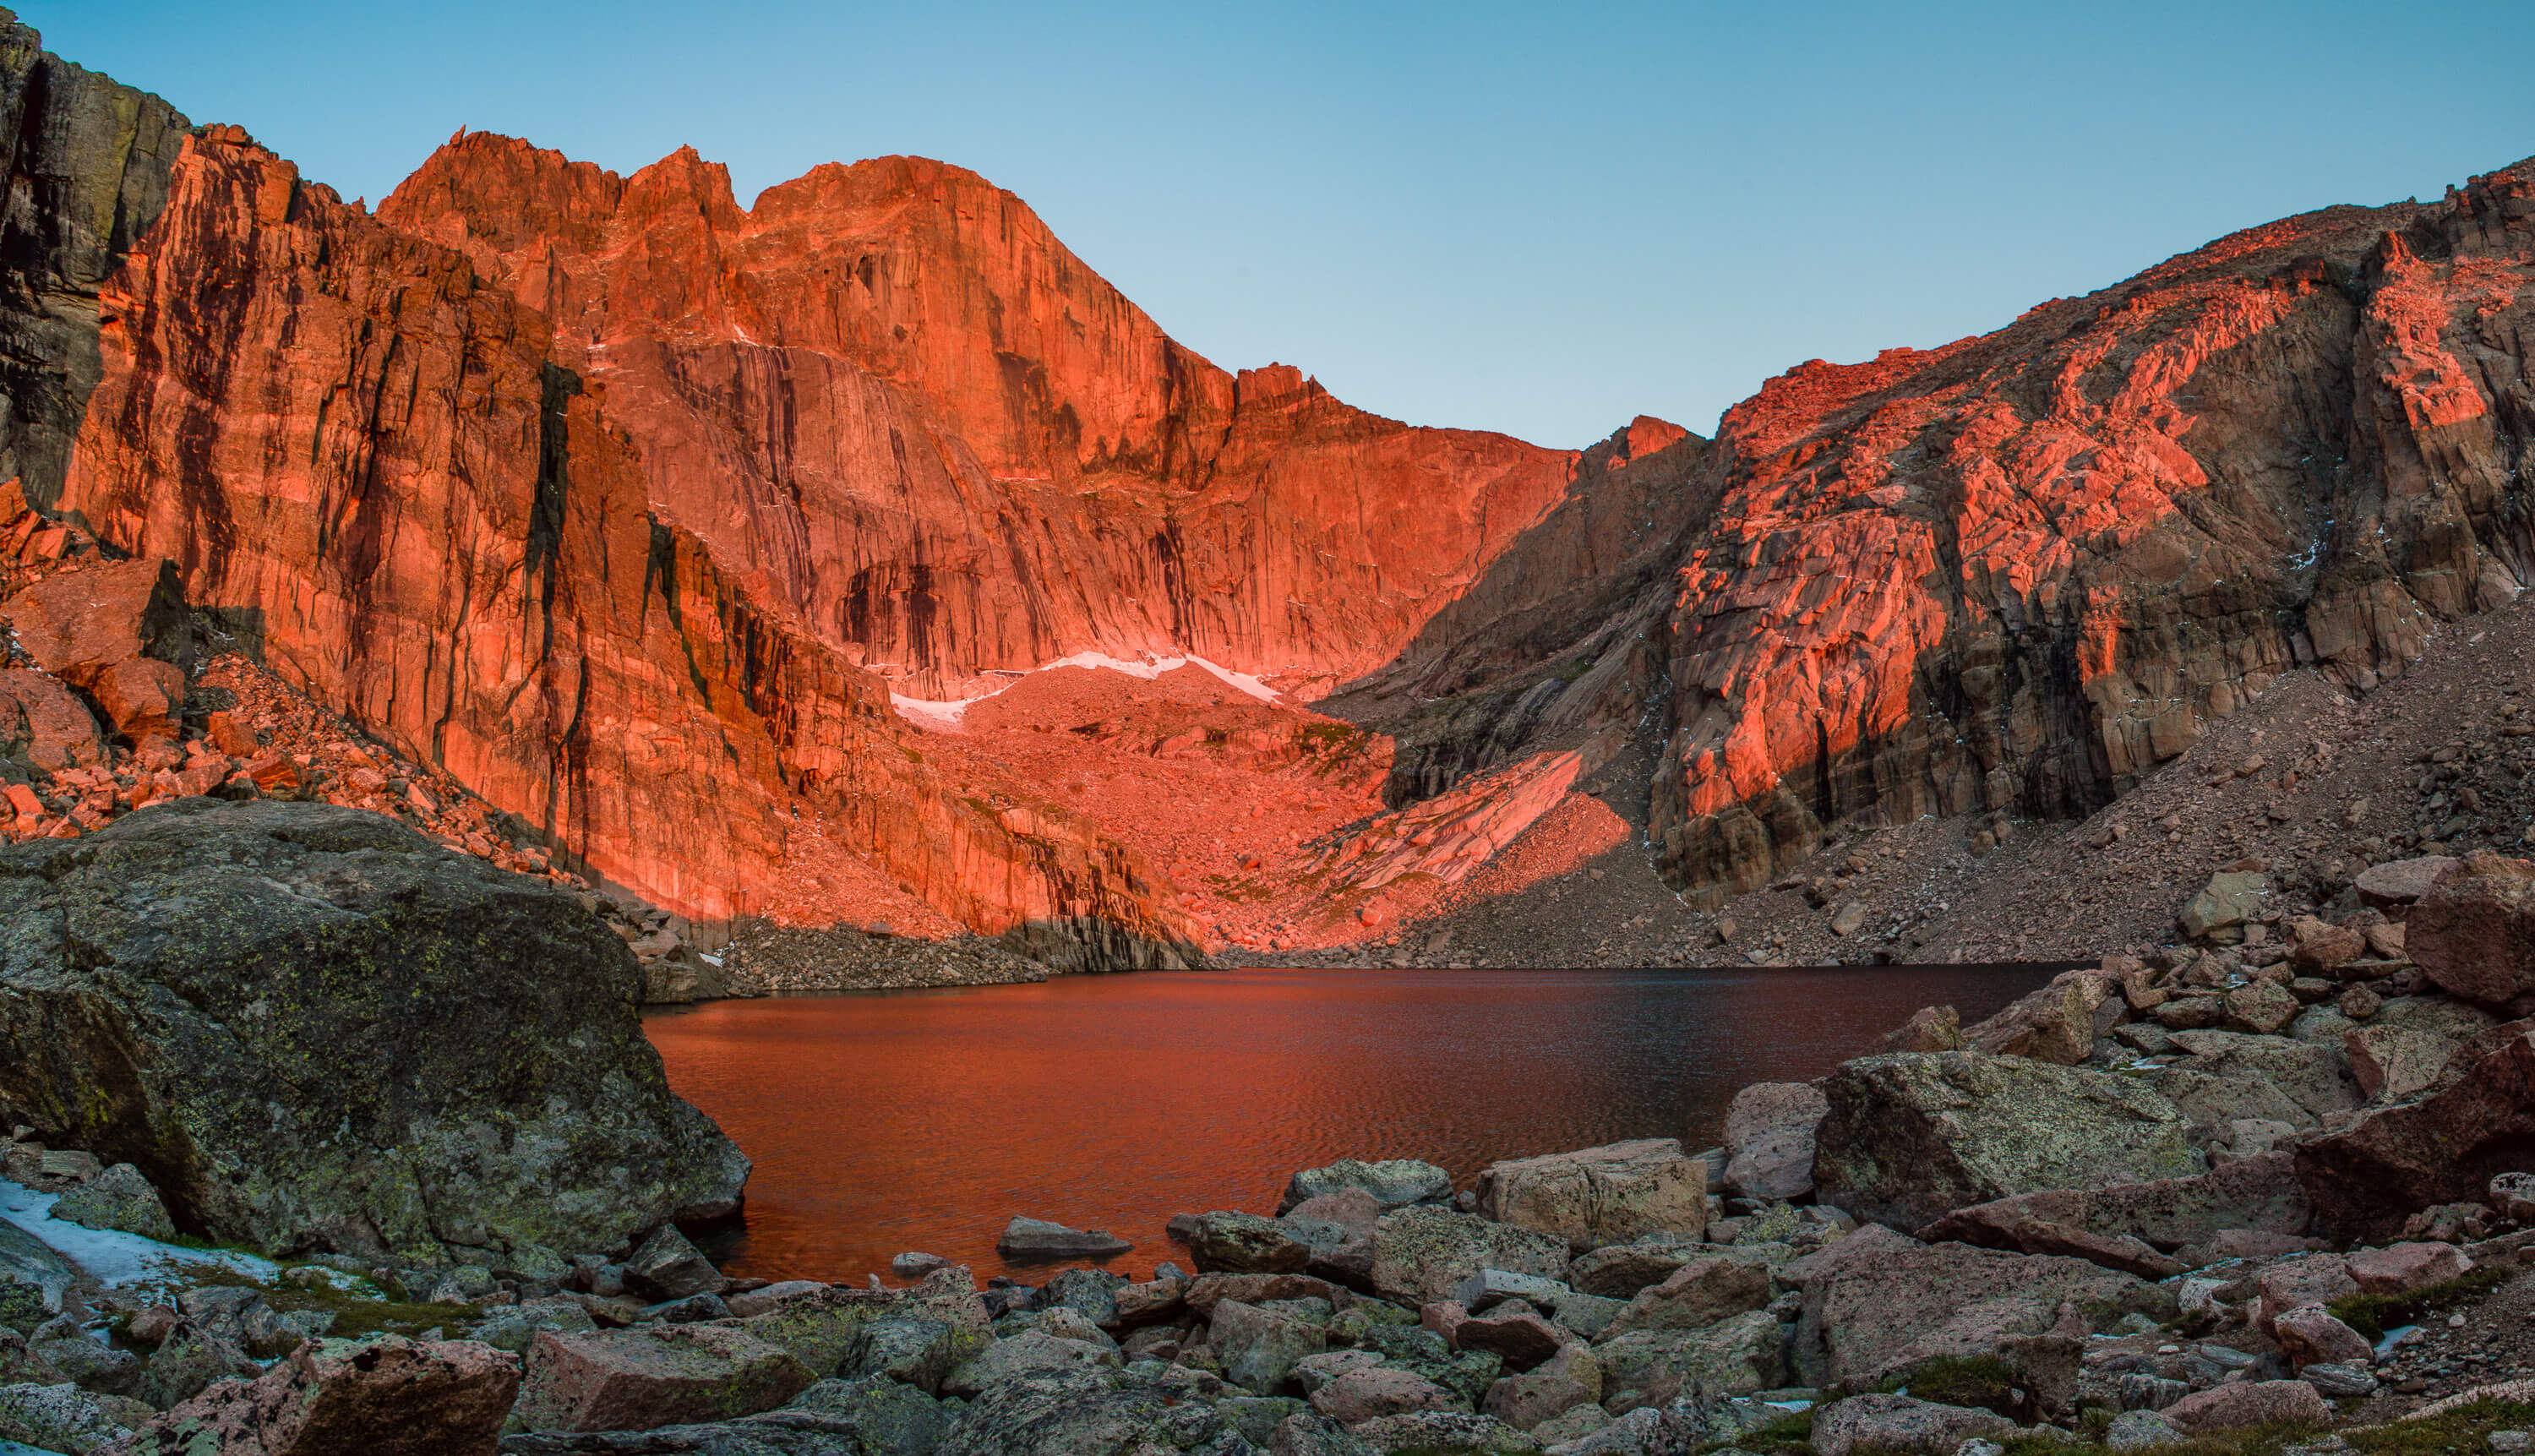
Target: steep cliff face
pixel 85 163
pixel 2015 572
pixel 891 400
pixel 368 463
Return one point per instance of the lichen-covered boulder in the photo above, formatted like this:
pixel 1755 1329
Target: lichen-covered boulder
pixel 1392 1182
pixel 387 1396
pixel 1421 1254
pixel 122 1199
pixel 1911 1136
pixel 310 1028
pixel 1598 1197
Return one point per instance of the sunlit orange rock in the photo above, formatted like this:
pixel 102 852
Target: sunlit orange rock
pixel 2016 572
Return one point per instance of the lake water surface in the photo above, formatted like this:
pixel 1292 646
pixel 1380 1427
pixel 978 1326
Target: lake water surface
pixel 888 1121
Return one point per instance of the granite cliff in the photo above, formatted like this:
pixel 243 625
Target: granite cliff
pixel 658 522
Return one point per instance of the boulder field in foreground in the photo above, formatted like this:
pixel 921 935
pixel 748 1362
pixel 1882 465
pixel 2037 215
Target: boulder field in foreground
pixel 314 1030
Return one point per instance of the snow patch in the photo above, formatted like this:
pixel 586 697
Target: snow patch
pixel 944 715
pixel 114 1259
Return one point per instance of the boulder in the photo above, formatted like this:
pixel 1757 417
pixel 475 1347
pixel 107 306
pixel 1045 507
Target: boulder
pixel 2142 1431
pixel 1877 1305
pixel 667 1267
pixel 2299 1282
pixel 2261 1007
pixel 1513 1333
pixel 2442 1146
pixel 2058 1022
pixel 657 1375
pixel 2310 1335
pixel 1736 1356
pixel 383 1396
pixel 2473 931
pixel 2166 1214
pixel 1694 1296
pixel 192 1358
pixel 1524 1402
pixel 2221 910
pixel 307 1026
pixel 1600 1195
pixel 119 1199
pixel 1245 1244
pixel 1421 1254
pixel 119 633
pixel 1911 1136
pixel 2396 884
pixel 60 733
pixel 1037 1239
pixel 1620 1271
pixel 1030 1352
pixel 1896 1423
pixel 1087 1411
pixel 1260 1347
pixel 2399 1269
pixel 1444 1433
pixel 2393 1063
pixel 1393 1182
pixel 2239 1404
pixel 67 1419
pixel 819 1328
pixel 1769 1139
pixel 1373 1391
pixel 919 1351
pixel 1929 1029
pixel 33 1279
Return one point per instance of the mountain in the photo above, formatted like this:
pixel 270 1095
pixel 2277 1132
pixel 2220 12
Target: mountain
pixel 685 534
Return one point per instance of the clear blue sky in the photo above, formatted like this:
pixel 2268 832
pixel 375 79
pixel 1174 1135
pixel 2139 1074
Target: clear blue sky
pixel 1536 218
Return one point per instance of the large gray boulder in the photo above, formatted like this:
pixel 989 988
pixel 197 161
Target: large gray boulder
pixel 1420 1255
pixel 1597 1196
pixel 312 1029
pixel 1393 1182
pixel 1878 1305
pixel 1769 1139
pixel 33 1279
pixel 1088 1412
pixel 1911 1135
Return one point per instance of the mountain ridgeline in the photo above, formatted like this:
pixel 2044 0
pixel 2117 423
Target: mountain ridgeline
pixel 631 508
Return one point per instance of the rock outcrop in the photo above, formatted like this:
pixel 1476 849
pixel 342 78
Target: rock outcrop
pixel 310 1029
pixel 86 170
pixel 2015 572
pixel 473 571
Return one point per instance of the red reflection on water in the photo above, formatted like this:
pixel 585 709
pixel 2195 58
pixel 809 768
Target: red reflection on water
pixel 898 1120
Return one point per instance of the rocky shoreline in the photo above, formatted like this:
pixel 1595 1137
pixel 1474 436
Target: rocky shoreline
pixel 2220 1201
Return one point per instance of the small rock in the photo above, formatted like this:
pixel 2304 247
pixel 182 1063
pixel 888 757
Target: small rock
pixel 916 1265
pixel 1038 1239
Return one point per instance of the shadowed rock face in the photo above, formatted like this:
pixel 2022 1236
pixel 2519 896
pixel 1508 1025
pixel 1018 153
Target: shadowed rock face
pixel 313 1029
pixel 2017 571
pixel 87 166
